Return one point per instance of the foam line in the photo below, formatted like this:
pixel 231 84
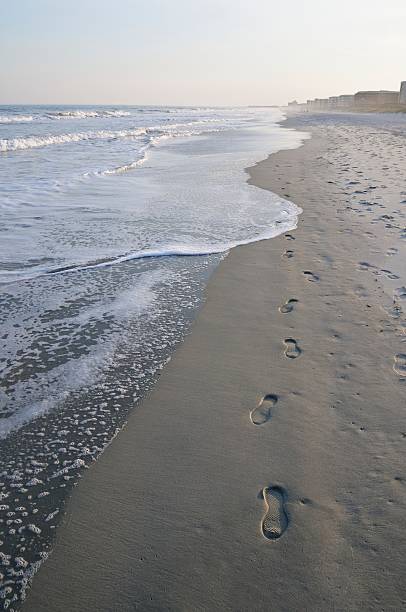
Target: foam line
pixel 32 142
pixel 16 118
pixel 168 251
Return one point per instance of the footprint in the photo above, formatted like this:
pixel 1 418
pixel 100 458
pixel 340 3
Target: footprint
pixel 400 364
pixel 390 274
pixel 311 277
pixel 275 521
pixel 399 294
pixel 392 251
pixel 262 413
pixel 288 253
pixel 364 265
pixel 292 349
pixel 289 237
pixel 288 306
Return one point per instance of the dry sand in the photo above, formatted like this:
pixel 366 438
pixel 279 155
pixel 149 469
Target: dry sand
pixel 266 470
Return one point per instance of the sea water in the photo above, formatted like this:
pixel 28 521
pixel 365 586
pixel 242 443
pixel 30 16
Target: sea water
pixel 111 221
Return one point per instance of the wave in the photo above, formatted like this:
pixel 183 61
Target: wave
pixel 144 152
pixel 16 118
pixel 279 226
pixel 32 142
pixel 119 169
pixel 85 114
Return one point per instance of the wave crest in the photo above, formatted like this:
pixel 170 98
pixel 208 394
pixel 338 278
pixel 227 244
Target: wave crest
pixel 86 114
pixel 163 131
pixel 16 118
pixel 32 142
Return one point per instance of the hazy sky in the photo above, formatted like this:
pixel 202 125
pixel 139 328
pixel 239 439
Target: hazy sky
pixel 198 51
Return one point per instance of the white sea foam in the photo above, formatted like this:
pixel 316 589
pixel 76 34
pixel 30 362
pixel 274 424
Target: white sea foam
pixel 186 250
pixel 16 118
pixel 46 390
pixel 87 114
pixel 289 222
pixel 120 169
pixel 154 141
pixel 32 142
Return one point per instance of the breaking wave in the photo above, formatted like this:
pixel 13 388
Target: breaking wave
pixel 32 142
pixel 144 151
pixel 86 114
pixel 16 118
pixel 120 169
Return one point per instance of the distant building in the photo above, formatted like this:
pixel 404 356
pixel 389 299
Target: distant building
pixel 375 99
pixel 402 95
pixel 345 101
pixel 319 104
pixel 333 101
pixel 383 100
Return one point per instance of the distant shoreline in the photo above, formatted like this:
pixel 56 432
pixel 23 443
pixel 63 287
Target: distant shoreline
pixel 380 110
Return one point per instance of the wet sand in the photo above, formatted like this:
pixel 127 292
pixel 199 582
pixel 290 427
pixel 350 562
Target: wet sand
pixel 266 469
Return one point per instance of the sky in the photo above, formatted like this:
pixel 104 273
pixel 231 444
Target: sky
pixel 204 52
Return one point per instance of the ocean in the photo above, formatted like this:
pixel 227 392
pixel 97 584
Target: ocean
pixel 112 221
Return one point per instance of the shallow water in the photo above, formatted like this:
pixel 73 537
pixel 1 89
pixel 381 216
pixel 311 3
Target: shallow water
pixel 75 240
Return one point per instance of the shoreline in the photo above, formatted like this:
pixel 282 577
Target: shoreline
pixel 171 515
pixel 93 357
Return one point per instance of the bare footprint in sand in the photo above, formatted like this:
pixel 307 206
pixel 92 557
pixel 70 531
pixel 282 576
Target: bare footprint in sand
pixel 262 413
pixel 289 237
pixel 292 349
pixel 311 277
pixel 288 254
pixel 392 251
pixel 275 521
pixel 390 274
pixel 365 265
pixel 400 364
pixel 288 306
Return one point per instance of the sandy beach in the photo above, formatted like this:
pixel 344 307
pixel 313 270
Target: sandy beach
pixel 265 470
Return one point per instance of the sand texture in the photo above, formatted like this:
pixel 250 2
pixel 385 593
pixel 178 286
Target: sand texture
pixel 266 469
